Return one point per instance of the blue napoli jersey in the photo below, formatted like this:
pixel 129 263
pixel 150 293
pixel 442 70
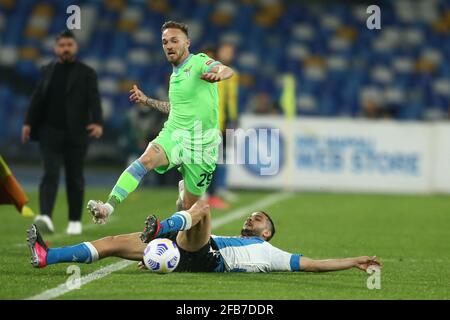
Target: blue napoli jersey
pixel 252 254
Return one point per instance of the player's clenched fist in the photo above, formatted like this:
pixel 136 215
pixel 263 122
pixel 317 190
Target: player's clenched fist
pixel 365 262
pixel 210 77
pixel 137 96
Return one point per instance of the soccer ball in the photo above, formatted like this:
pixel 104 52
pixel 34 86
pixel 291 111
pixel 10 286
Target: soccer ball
pixel 161 255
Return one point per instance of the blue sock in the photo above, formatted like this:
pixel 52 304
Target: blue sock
pixel 179 221
pixel 82 253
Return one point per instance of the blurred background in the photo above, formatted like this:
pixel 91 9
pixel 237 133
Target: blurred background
pixel 295 59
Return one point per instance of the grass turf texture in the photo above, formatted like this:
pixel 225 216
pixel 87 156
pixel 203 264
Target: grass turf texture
pixel 409 233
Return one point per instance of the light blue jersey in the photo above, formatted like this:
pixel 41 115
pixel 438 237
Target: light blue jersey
pixel 252 254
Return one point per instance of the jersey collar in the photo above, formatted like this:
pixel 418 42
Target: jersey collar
pixel 176 69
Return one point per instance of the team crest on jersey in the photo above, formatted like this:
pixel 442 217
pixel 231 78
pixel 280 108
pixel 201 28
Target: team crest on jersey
pixel 187 72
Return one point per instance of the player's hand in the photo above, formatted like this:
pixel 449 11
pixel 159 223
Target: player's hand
pixel 141 265
pixel 137 96
pixel 210 77
pixel 26 129
pixel 365 262
pixel 95 130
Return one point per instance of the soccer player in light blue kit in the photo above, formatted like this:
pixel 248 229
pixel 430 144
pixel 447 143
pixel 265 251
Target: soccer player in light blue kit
pixel 200 251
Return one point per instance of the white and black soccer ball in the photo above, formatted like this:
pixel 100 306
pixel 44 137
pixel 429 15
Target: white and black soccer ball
pixel 161 255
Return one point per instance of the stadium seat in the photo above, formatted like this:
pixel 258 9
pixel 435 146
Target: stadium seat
pixel 333 59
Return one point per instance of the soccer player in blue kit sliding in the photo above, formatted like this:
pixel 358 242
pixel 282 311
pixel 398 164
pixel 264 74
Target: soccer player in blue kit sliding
pixel 199 250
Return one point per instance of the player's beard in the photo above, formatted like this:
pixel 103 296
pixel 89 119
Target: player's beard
pixel 250 233
pixel 178 57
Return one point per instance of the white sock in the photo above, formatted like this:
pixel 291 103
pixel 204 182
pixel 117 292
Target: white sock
pixel 188 219
pixel 94 252
pixel 110 208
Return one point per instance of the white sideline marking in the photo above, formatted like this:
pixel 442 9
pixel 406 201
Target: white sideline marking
pixel 103 272
pixel 63 288
pixel 259 205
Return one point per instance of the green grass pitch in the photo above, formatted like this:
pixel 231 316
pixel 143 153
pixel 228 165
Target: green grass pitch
pixel 410 234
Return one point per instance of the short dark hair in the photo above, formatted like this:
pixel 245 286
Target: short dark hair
pixel 272 225
pixel 176 25
pixel 65 34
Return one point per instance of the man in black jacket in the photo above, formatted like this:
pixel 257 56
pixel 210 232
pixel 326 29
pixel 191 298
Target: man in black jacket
pixel 64 113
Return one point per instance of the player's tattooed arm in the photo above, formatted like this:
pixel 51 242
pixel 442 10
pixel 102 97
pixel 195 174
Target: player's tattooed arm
pixel 137 96
pixel 163 106
pixel 156 148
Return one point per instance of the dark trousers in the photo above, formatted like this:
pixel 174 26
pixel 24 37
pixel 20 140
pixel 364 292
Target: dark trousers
pixel 58 148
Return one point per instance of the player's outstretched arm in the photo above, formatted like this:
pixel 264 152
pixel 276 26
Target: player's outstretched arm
pixel 362 263
pixel 137 96
pixel 218 73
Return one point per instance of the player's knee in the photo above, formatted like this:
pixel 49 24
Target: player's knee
pixel 200 209
pixel 109 239
pixel 148 160
pixel 205 210
pixel 106 246
pixel 153 157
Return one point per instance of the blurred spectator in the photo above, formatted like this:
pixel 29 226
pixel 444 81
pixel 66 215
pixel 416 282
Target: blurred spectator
pixel 228 116
pixel 325 49
pixel 261 103
pixel 64 113
pixel 372 109
pixel 142 126
pixel 210 51
pixel 374 106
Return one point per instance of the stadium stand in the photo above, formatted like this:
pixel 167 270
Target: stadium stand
pixel 339 67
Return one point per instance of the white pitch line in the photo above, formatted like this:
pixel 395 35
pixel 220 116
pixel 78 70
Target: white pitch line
pixel 63 288
pixel 259 205
pixel 103 272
